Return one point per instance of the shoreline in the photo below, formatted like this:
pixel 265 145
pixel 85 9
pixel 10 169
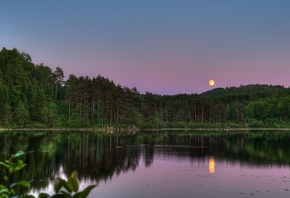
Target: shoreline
pixel 102 129
pixel 135 129
pixel 219 129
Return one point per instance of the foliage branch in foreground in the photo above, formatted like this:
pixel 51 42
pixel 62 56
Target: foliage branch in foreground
pixel 62 188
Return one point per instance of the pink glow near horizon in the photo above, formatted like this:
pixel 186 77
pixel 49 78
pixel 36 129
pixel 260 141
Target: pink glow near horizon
pixel 164 47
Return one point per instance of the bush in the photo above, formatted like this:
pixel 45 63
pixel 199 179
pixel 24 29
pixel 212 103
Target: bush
pixel 62 188
pixel 251 122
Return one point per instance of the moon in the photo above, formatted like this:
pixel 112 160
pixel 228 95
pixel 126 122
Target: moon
pixel 211 82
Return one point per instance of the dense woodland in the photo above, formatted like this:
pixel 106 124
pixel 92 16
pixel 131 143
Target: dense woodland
pixel 36 96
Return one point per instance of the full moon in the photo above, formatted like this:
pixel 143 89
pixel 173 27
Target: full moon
pixel 211 82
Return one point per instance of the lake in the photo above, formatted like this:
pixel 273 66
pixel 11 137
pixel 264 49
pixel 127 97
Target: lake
pixel 158 164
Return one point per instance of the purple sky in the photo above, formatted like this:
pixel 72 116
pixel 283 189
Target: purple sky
pixel 160 46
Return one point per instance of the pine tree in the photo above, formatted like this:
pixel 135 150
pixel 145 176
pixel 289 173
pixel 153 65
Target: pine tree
pixel 58 80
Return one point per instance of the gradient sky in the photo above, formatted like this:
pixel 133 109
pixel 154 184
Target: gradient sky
pixel 160 46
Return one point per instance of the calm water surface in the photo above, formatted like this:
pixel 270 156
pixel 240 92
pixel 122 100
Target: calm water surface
pixel 159 164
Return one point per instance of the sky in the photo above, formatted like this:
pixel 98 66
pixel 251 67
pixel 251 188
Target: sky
pixel 164 47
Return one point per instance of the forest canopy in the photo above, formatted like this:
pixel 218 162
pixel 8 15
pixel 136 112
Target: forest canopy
pixel 36 96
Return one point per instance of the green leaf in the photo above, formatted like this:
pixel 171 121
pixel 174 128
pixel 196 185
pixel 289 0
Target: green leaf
pixel 58 196
pixel 57 186
pixel 4 164
pixel 86 191
pixel 19 153
pixel 5 177
pixel 4 191
pixel 15 167
pixel 77 195
pixel 61 183
pixel 20 164
pixel 43 195
pixel 65 194
pixel 12 185
pixel 11 169
pixel 12 191
pixel 74 175
pixel 22 183
pixel 2 187
pixel 25 184
pixel 73 184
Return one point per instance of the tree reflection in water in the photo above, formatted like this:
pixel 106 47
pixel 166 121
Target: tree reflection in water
pixel 99 156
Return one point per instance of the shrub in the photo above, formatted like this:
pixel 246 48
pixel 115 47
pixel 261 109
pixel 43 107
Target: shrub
pixel 62 188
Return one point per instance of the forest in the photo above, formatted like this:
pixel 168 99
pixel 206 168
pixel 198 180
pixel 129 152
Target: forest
pixel 34 95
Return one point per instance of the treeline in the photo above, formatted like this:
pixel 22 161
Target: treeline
pixel 35 96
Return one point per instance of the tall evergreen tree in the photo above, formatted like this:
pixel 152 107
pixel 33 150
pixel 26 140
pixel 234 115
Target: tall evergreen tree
pixel 58 80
